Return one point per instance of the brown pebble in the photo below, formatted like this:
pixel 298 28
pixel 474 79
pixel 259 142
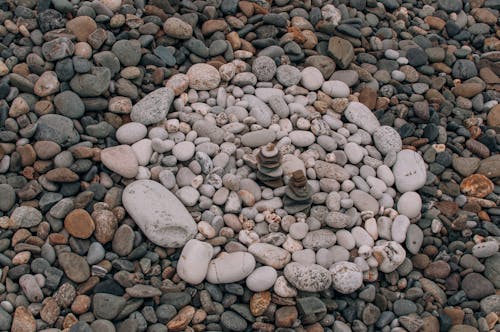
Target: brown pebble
pixel 27 153
pixel 259 303
pixel 79 224
pixel 46 149
pixel 61 174
pixel 50 310
pixel 437 270
pixel 477 185
pixel 23 321
pixel 368 96
pixel 211 26
pixel 81 27
pixel 286 316
pixel 81 304
pixel 455 313
pixel 105 225
pixel 182 319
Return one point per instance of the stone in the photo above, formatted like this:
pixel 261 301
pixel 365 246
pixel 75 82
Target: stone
pixel 47 84
pixel 389 255
pixel 301 138
pixel 493 118
pixel 75 266
pixel 79 224
pixel 258 138
pixel 387 140
pixel 485 249
pixel 25 217
pixel 69 104
pixel 341 51
pixel 81 27
pixel 131 132
pixel 336 89
pixel 203 77
pixel 31 288
pixel 346 277
pixel 312 79
pixel 177 28
pixel 159 214
pixel 409 171
pixel 410 204
pixel 308 278
pixel 286 316
pixel 121 159
pixel 264 68
pixel 91 84
pixel 477 287
pixel 232 321
pixel 230 267
pixel 261 279
pixel 56 128
pixel 361 116
pixel 465 166
pixel 7 197
pixel 270 255
pixel 259 302
pixel 107 306
pixel 58 49
pixel 153 107
pixel 489 166
pixel 476 185
pixel 288 75
pixel 23 321
pixel 193 263
pixel 363 201
pixel 184 151
pixel 127 51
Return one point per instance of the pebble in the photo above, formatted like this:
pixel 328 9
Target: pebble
pixel 231 267
pixel 361 116
pixel 121 159
pixel 409 171
pixel 203 77
pixel 261 279
pixel 153 107
pixel 168 225
pixel 346 277
pixel 308 278
pixel 193 263
pixel 410 204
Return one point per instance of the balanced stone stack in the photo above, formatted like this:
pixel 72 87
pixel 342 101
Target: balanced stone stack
pixel 269 170
pixel 298 194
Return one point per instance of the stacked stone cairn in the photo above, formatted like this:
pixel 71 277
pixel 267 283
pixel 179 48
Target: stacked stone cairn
pixel 298 194
pixel 269 170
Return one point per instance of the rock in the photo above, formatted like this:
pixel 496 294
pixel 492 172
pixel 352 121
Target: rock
pixel 336 89
pixel 5 320
pixel 346 277
pixel 127 51
pixel 288 75
pixel 91 84
pixel 465 166
pixel 341 51
pixel 264 68
pixel 177 28
pixel 79 224
pixel 121 159
pixel 301 138
pixel 321 238
pixel 47 84
pixel 493 118
pixel 25 217
pixel 107 306
pixel 485 249
pixel 477 185
pixel 258 138
pixel 361 116
pixel 286 316
pixel 363 201
pixel 338 220
pixel 56 128
pixel 69 104
pixel 31 288
pixel 490 304
pixel 464 69
pixel 410 204
pixel 312 79
pixel 153 107
pixel 232 321
pixel 23 321
pixel 389 255
pixel 409 171
pixel 323 63
pixel 450 5
pixel 308 278
pixel 184 151
pixel 123 240
pixel 332 171
pixel 7 197
pixel 477 287
pixel 270 255
pixel 193 263
pixel 81 27
pixel 159 214
pixel 75 266
pixel 262 279
pixel 387 140
pixel 58 49
pixel 131 132
pixel 489 166
pixel 203 77
pixel 433 289
pixel 231 267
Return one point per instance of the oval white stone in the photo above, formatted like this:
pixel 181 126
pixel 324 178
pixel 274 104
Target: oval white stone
pixel 193 263
pixel 158 213
pixel 261 279
pixel 231 267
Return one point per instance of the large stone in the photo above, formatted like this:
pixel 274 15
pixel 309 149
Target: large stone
pixel 390 256
pixel 308 278
pixel 159 214
pixel 387 140
pixel 346 277
pixel 193 263
pixel 56 128
pixel 409 171
pixel 203 77
pixel 341 51
pixel 92 84
pixel 270 255
pixel 229 268
pixel 177 28
pixel 153 107
pixel 121 159
pixel 75 266
pixel 361 116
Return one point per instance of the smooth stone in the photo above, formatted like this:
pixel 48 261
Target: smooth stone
pixel 231 267
pixel 75 266
pixel 153 107
pixel 399 228
pixel 387 139
pixel 302 138
pixel 485 249
pixel 121 159
pixel 258 138
pixel 56 128
pixel 184 151
pixel 336 89
pixel 346 277
pixel 7 197
pixel 312 79
pixel 321 238
pixel 391 255
pixel 361 116
pixel 159 214
pixel 262 279
pixel 410 204
pixel 364 201
pixel 193 262
pixel 107 306
pixel 270 255
pixel 25 217
pixel 409 171
pixel 131 132
pixel 308 278
pixel 203 77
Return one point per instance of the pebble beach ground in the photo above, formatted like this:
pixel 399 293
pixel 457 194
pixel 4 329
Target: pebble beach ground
pixel 228 165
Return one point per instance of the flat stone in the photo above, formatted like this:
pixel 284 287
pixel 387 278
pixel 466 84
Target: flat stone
pixel 153 107
pixel 107 306
pixel 79 224
pixel 159 214
pixel 75 266
pixel 121 159
pixel 270 255
pixel 477 287
pixel 308 278
pixel 193 263
pixel 364 201
pixel 231 267
pixel 56 128
pixel 341 51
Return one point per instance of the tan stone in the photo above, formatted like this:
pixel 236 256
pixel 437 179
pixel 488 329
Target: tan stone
pixel 79 224
pixel 182 319
pixel 477 185
pixel 23 321
pixel 61 174
pixel 47 84
pixel 259 303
